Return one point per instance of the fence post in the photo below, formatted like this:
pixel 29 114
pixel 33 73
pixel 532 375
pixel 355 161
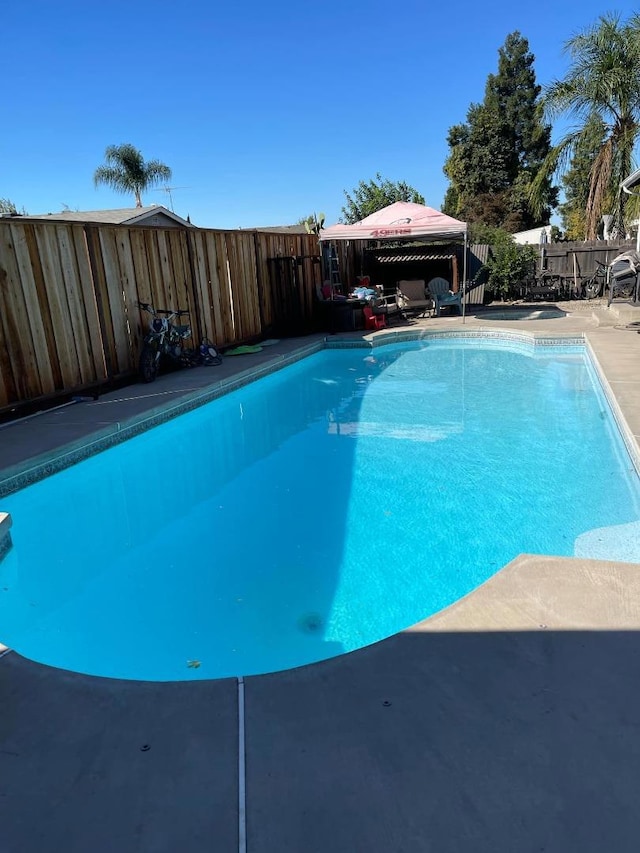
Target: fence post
pixel 259 281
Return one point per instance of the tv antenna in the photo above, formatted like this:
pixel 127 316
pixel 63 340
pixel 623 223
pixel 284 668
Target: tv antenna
pixel 169 190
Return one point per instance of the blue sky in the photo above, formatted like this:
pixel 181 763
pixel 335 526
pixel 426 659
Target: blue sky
pixel 265 112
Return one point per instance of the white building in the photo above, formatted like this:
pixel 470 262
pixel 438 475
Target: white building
pixel 534 236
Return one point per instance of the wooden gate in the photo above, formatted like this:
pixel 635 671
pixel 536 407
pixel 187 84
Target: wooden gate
pixel 293 281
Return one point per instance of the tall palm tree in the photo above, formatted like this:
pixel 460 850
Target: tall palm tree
pixel 125 171
pixel 603 82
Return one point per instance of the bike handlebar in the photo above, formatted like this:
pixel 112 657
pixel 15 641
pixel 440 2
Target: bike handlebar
pixel 169 311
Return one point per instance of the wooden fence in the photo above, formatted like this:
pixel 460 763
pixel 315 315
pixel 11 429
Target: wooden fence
pixel 580 258
pixel 69 293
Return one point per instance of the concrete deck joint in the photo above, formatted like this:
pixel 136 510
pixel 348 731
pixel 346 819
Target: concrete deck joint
pixel 242 770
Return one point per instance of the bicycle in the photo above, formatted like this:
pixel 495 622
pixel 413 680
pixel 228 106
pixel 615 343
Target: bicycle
pixel 593 286
pixel 166 340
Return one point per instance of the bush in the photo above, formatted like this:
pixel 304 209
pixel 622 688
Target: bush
pixel 508 264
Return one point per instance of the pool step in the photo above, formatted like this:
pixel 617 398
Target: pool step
pixel 625 312
pixel 605 317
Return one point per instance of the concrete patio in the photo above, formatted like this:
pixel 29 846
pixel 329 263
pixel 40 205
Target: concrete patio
pixel 508 722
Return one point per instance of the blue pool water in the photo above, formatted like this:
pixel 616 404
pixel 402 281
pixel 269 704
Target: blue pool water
pixel 315 511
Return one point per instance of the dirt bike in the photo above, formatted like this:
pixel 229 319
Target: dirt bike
pixel 166 340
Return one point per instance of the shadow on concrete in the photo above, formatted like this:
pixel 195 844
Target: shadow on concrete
pixel 429 741
pixel 451 742
pixel 91 764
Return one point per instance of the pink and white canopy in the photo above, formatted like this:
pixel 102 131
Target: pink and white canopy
pixel 402 220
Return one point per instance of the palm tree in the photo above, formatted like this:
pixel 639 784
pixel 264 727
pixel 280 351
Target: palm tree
pixel 125 171
pixel 602 83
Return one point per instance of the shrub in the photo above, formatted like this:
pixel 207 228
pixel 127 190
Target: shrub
pixel 508 264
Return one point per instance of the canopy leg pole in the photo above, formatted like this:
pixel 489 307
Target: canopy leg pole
pixel 464 279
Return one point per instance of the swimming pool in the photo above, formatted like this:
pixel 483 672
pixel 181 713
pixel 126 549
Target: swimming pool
pixel 315 511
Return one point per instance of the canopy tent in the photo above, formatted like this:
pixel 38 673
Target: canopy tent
pixel 402 220
pixel 405 220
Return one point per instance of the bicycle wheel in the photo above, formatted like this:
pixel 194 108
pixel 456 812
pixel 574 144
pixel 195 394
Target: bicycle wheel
pixel 592 287
pixel 626 290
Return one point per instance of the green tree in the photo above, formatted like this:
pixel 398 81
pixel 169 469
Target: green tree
pixel 576 181
pixel 7 206
pixel 497 153
pixel 375 194
pixel 126 171
pixel 602 82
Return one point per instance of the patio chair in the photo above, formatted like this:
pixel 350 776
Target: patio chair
pixel 411 296
pixel 373 321
pixel 442 295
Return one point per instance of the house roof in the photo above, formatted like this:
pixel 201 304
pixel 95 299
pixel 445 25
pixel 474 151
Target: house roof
pixel 121 216
pixel 280 229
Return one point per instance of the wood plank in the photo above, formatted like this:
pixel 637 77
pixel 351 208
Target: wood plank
pixel 75 303
pixel 197 321
pixel 212 249
pixel 89 299
pixel 246 265
pixel 123 355
pixel 45 308
pixel 201 285
pixel 10 393
pixel 156 293
pixel 144 276
pixel 238 289
pixel 251 276
pixel 98 277
pixel 166 271
pixel 33 308
pixel 58 306
pixel 182 285
pixel 224 289
pixel 262 277
pixel 19 335
pixel 5 397
pixel 237 294
pixel 130 292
